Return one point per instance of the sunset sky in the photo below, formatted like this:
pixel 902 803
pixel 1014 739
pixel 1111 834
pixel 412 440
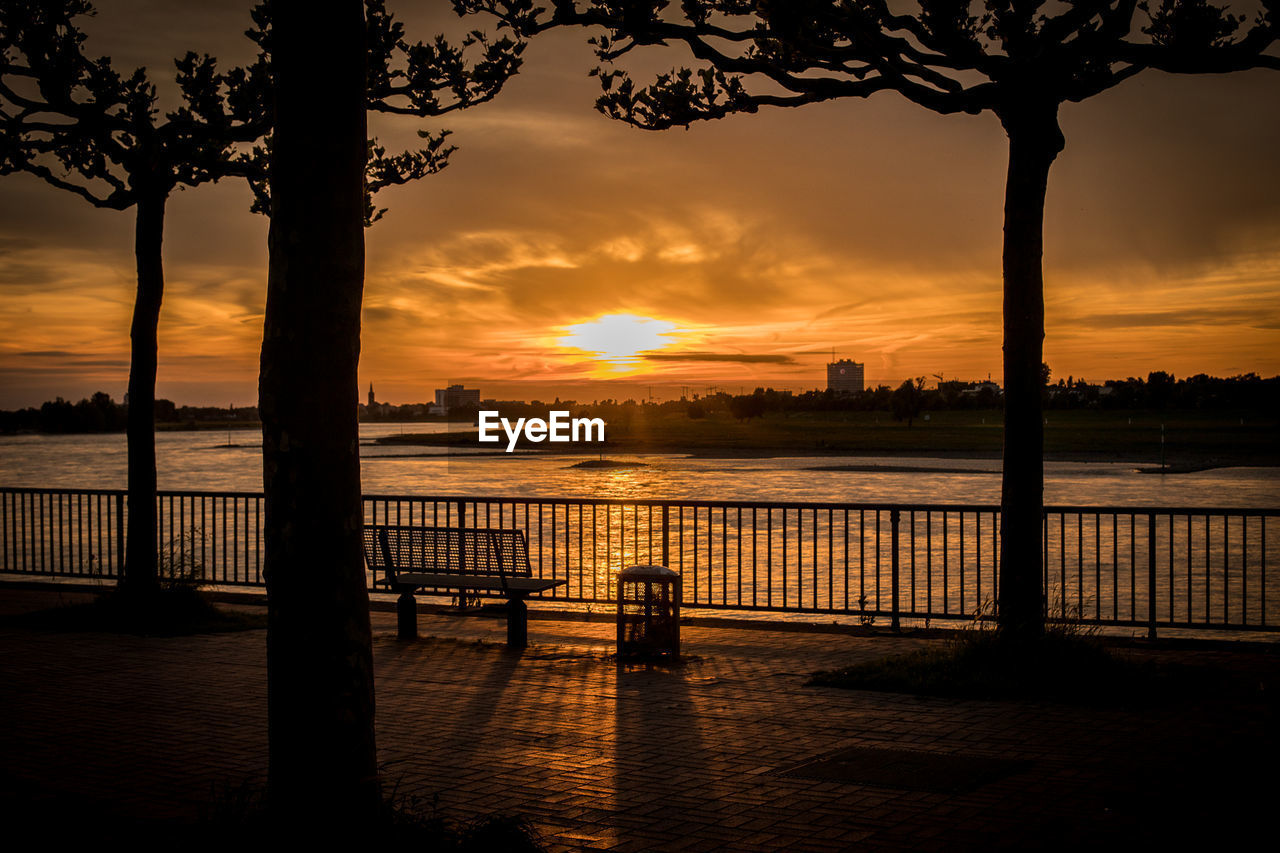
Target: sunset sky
pixel 738 253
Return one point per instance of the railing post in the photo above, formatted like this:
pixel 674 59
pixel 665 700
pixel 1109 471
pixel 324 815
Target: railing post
pixel 666 535
pixel 1151 575
pixel 462 552
pixel 894 517
pixel 120 539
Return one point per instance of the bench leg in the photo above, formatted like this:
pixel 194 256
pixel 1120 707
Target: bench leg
pixel 517 622
pixel 407 616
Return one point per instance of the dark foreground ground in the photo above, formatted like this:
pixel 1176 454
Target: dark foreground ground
pixel 730 752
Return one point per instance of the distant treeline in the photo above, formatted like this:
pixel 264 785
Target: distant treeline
pixel 1162 390
pixel 100 413
pixel 1158 391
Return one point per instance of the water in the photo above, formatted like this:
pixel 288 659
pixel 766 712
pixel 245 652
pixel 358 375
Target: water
pixel 221 461
pixel 1204 569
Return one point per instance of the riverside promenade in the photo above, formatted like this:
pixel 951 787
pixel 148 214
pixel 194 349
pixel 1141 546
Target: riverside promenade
pixel 729 752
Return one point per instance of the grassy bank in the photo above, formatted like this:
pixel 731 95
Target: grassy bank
pixel 172 611
pixel 1068 664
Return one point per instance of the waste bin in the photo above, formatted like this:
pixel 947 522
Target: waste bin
pixel 648 612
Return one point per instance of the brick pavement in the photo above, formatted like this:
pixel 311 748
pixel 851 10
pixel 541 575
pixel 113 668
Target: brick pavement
pixel 635 758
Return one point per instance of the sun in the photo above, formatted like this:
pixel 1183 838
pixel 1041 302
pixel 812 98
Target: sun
pixel 615 341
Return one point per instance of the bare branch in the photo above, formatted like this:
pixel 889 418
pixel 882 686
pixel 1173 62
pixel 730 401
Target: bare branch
pixel 1087 89
pixel 116 200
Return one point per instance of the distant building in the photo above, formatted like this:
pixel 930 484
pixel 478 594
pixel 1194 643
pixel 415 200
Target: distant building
pixel 845 376
pixel 455 396
pixel 374 408
pixel 977 388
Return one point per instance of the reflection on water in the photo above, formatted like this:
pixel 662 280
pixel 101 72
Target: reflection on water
pixel 222 461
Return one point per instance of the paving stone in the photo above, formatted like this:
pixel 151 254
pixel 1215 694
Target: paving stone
pixel 634 759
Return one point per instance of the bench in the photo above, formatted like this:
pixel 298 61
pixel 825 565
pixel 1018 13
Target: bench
pixel 487 560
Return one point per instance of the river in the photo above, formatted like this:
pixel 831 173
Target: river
pixel 231 461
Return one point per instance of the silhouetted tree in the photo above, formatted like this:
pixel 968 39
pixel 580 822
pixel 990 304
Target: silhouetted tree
pixel 907 400
pixel 320 683
pixel 1018 60
pixel 417 79
pixel 74 122
pixel 320 671
pixel 747 406
pixel 1160 386
pixel 77 124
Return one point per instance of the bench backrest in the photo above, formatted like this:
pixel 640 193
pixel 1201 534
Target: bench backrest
pixel 389 549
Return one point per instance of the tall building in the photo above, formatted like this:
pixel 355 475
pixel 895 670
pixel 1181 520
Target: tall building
pixel 371 400
pixel 456 396
pixel 845 376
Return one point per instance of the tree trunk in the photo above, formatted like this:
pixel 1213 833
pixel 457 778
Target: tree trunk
pixel 322 767
pixel 1034 142
pixel 140 570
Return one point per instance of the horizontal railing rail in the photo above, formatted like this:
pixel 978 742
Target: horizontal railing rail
pixel 1199 568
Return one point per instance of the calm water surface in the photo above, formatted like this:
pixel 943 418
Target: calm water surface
pixel 232 462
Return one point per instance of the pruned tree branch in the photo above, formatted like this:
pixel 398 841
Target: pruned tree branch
pixel 381 170
pixel 419 79
pixel 116 200
pixel 77 124
pixel 949 56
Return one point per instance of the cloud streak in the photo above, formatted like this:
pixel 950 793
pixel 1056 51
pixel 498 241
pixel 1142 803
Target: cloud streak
pixel 720 357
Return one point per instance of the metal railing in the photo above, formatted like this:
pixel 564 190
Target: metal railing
pixel 1152 567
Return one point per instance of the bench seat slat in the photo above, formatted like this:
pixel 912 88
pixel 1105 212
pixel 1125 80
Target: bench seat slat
pixel 483 559
pixel 438 550
pixel 485 582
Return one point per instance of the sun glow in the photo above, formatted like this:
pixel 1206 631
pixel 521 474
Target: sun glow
pixel 616 341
